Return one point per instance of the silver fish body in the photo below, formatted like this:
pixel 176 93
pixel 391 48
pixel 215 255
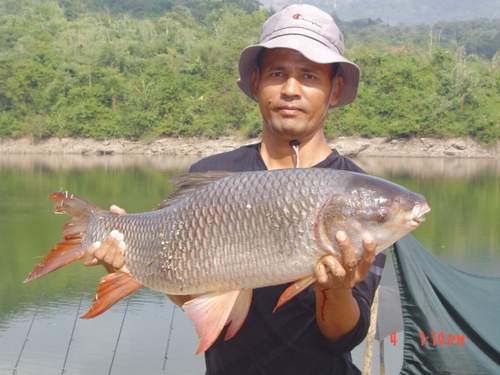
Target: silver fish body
pixel 256 229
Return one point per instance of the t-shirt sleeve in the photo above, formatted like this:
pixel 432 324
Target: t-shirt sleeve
pixel 363 293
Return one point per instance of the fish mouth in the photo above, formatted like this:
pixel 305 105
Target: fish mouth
pixel 418 214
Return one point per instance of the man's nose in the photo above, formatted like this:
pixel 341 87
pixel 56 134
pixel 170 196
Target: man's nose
pixel 290 88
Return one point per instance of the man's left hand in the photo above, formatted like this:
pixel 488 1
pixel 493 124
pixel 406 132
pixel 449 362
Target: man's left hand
pixel 333 273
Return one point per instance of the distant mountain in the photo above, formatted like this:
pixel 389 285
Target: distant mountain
pixel 401 11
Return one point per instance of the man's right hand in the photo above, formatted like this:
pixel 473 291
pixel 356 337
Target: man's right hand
pixel 109 253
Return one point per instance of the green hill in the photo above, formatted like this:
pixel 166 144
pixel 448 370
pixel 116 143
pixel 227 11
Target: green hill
pixel 79 69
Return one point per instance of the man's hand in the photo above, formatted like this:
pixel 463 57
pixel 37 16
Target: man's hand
pixel 337 312
pixel 343 273
pixel 109 253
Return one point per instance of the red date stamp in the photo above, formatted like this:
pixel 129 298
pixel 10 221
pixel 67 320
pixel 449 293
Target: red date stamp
pixel 435 339
pixel 441 338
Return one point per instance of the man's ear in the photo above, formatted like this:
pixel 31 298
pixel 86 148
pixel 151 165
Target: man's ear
pixel 338 86
pixel 254 83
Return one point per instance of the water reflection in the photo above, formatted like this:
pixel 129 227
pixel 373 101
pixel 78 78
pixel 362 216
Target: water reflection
pixel 84 162
pixel 431 167
pixel 133 336
pixel 380 166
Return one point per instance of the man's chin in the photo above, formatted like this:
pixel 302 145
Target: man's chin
pixel 290 129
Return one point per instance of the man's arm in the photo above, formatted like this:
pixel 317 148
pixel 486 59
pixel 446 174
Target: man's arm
pixel 337 311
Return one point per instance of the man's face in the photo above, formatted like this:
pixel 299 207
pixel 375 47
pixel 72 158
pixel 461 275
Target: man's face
pixel 293 93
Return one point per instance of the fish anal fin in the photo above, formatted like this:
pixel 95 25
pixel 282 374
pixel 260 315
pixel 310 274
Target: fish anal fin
pixel 209 314
pixel 238 313
pixel 113 288
pixel 293 290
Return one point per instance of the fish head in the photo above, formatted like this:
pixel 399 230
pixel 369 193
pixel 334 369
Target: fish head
pixel 385 210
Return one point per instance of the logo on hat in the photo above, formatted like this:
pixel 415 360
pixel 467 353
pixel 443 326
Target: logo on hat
pixel 298 16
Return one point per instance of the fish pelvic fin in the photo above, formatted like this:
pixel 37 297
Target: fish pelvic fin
pixel 238 313
pixel 293 290
pixel 112 288
pixel 70 248
pixel 212 311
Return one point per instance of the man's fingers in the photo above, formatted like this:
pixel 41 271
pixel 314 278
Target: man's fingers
pixel 349 261
pixel 368 257
pixel 89 258
pixel 333 266
pixel 110 254
pixel 329 272
pixel 117 210
pixel 119 261
pixel 320 273
pixel 110 244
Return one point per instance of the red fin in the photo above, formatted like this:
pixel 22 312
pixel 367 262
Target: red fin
pixel 68 250
pixel 293 290
pixel 113 287
pixel 63 253
pixel 238 313
pixel 209 313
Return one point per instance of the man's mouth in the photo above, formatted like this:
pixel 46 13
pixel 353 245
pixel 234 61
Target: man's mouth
pixel 289 110
pixel 419 212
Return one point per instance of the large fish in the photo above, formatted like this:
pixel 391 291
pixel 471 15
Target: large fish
pixel 222 235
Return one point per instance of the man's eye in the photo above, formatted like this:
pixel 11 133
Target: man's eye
pixel 275 73
pixel 309 76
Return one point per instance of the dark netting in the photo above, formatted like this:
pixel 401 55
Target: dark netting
pixel 451 318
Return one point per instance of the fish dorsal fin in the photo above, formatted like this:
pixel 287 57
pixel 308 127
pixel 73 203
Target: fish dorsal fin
pixel 187 183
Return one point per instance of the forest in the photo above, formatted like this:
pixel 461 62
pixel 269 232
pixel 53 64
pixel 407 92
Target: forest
pixel 402 11
pixel 151 68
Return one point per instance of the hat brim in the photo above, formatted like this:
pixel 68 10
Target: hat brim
pixel 309 48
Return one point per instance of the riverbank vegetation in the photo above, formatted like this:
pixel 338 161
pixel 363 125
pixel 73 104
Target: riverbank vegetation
pixel 144 69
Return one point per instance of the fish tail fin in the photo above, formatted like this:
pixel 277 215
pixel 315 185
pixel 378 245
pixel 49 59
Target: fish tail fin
pixel 70 248
pixel 113 288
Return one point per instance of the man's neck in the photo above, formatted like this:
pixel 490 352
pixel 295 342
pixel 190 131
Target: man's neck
pixel 278 154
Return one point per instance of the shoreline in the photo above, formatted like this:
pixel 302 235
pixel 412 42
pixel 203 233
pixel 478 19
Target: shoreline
pixel 200 147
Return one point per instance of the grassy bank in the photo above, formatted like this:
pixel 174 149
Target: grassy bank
pixel 73 71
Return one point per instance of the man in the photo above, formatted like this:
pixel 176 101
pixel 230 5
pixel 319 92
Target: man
pixel 295 74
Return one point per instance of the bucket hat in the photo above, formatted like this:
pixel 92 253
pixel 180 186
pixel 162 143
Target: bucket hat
pixel 310 31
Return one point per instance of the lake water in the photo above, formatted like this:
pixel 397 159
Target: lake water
pixel 39 329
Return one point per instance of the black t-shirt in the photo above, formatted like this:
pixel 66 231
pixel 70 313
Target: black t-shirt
pixel 289 340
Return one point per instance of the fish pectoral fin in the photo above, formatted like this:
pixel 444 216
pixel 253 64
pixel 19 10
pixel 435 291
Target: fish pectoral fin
pixel 113 287
pixel 293 290
pixel 209 314
pixel 238 313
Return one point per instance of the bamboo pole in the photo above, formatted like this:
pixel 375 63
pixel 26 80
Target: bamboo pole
pixel 367 362
pixel 382 360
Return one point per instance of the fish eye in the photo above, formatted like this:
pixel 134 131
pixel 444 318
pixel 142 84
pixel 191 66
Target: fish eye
pixel 381 216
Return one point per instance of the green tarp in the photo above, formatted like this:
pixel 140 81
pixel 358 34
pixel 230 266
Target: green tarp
pixel 451 318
